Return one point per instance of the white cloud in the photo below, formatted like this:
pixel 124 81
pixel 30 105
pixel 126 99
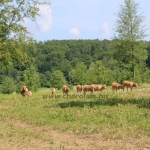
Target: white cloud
pixel 105 30
pixel 44 22
pixel 74 31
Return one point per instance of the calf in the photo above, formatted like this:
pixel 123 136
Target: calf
pixel 116 86
pixel 53 90
pixel 29 93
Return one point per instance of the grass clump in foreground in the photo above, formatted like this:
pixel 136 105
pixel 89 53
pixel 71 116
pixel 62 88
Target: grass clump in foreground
pixel 118 115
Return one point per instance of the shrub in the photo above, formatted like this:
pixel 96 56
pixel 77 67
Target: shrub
pixel 18 86
pixel 8 85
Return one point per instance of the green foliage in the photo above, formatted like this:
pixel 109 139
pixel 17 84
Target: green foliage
pixel 129 50
pixel 2 78
pixel 79 74
pixel 14 36
pixel 43 81
pixel 8 85
pixel 57 79
pixel 31 78
pixel 99 74
pixel 19 85
pixel 115 62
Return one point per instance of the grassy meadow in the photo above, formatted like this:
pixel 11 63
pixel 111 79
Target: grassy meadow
pixel 116 116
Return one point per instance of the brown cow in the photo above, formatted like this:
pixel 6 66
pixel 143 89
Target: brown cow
pixel 116 86
pixel 53 90
pixel 29 93
pixel 88 88
pixel 65 89
pixel 99 87
pixel 129 84
pixel 95 87
pixel 79 88
pixel 24 91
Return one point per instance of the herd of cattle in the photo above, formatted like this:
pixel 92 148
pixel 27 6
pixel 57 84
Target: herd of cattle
pixel 87 88
pixel 97 87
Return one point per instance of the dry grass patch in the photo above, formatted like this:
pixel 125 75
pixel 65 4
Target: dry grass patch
pixel 32 137
pixel 4 107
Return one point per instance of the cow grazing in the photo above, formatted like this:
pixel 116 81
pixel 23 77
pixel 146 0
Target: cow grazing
pixel 53 90
pixel 99 87
pixel 129 84
pixel 94 87
pixel 88 88
pixel 24 91
pixel 116 86
pixel 29 93
pixel 79 88
pixel 65 89
pixel 102 87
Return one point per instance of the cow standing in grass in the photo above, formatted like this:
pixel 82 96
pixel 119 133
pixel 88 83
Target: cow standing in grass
pixel 98 87
pixel 53 90
pixel 101 87
pixel 65 90
pixel 129 84
pixel 116 86
pixel 88 88
pixel 79 88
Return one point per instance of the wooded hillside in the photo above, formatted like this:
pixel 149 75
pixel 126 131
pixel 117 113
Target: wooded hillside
pixel 72 62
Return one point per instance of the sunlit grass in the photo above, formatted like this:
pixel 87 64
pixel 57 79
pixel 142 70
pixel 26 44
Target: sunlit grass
pixel 114 115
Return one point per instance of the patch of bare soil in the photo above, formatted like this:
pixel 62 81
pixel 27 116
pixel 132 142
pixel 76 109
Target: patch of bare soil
pixel 4 107
pixel 57 140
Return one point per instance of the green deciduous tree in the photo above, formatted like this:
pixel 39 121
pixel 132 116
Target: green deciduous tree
pixel 45 79
pixel 79 74
pixel 14 36
pixel 99 74
pixel 57 79
pixel 129 49
pixel 8 85
pixel 31 78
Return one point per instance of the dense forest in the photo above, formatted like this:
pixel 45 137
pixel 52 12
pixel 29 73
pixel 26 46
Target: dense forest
pixel 58 62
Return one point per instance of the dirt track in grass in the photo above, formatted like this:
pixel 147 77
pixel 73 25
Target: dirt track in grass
pixel 57 140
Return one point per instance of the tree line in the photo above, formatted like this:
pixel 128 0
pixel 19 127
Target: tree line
pixel 57 62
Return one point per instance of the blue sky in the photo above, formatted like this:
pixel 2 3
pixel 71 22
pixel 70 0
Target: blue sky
pixel 81 19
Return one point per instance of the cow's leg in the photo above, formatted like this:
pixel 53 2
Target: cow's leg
pixel 123 87
pixel 84 93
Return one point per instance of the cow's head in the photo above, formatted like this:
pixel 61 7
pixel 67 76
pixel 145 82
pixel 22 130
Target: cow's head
pixel 135 84
pixel 24 88
pixel 104 86
pixel 68 89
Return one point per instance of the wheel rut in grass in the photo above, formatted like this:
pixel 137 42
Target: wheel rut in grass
pixel 55 140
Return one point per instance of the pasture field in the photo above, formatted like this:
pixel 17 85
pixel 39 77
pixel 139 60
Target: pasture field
pixel 106 120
